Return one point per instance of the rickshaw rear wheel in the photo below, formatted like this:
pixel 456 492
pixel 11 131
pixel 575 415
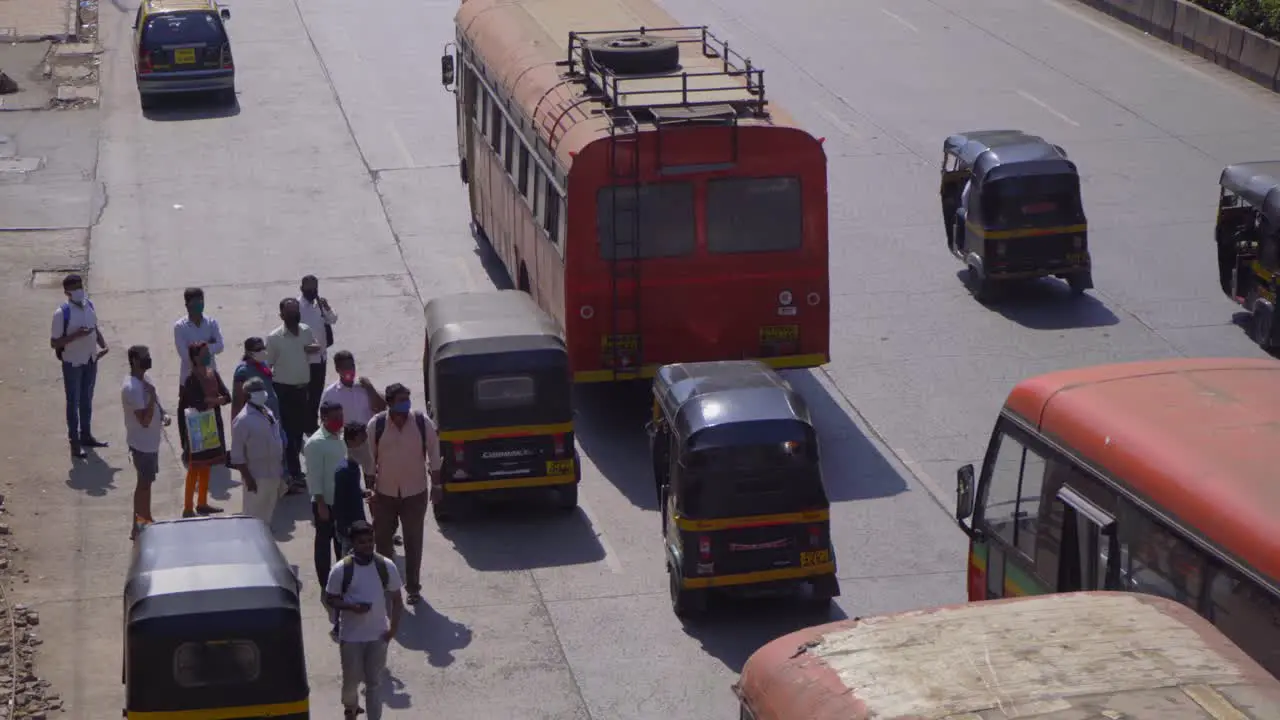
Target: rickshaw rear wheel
pixel 982 288
pixel 443 510
pixel 1261 323
pixel 1077 283
pixel 685 603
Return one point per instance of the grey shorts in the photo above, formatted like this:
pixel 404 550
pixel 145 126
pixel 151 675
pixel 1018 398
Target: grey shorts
pixel 147 465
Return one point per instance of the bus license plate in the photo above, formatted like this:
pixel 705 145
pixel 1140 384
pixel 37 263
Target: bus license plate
pixel 817 557
pixel 559 467
pixel 779 333
pixel 185 56
pixel 623 343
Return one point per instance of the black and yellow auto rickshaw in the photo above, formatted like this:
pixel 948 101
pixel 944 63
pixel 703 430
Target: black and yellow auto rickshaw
pixel 1022 216
pixel 212 624
pixel 1248 239
pixel 497 373
pixel 736 469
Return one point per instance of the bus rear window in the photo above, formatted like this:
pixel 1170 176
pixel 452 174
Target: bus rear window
pixel 507 391
pixel 664 217
pixel 216 662
pixel 187 28
pixel 750 215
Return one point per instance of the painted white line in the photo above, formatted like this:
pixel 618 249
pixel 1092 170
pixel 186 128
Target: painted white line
pixel 1048 108
pixel 901 21
pixel 835 120
pixel 610 557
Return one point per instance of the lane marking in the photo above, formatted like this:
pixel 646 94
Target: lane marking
pixel 901 21
pixel 1047 107
pixel 610 557
pixel 835 120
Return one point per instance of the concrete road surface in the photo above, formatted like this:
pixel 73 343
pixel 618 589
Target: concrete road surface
pixel 340 160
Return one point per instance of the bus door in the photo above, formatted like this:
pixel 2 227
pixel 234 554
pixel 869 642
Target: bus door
pixel 1088 556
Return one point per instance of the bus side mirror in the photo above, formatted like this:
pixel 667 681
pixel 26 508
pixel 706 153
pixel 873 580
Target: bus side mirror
pixel 966 492
pixel 446 70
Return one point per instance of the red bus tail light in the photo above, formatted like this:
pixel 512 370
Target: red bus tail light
pixel 815 536
pixel 704 547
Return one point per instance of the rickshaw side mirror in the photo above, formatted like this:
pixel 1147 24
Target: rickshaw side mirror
pixel 965 494
pixel 446 70
pixel 225 14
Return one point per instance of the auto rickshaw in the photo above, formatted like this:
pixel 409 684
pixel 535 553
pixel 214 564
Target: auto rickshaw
pixel 736 470
pixel 1022 217
pixel 1248 239
pixel 497 373
pixel 212 623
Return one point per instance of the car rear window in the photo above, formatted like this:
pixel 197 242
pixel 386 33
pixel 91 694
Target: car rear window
pixel 750 215
pixel 182 29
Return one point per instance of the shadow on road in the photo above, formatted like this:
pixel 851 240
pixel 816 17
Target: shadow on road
pixel 291 511
pixel 852 467
pixel 1047 304
pixel 490 261
pixel 733 628
pixel 221 480
pixel 512 539
pixel 92 476
pixel 179 108
pixel 609 425
pixel 424 629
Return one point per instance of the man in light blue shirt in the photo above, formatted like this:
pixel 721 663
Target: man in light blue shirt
pixel 323 453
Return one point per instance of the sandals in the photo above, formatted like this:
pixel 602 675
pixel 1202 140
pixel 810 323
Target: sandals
pixel 414 598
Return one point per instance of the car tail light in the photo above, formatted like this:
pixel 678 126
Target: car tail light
pixel 227 63
pixel 459 454
pixel 815 536
pixel 144 64
pixel 558 444
pixel 704 547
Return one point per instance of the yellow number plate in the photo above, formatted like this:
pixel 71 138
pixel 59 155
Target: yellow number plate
pixel 624 343
pixel 779 333
pixel 817 557
pixel 185 56
pixel 1076 257
pixel 559 467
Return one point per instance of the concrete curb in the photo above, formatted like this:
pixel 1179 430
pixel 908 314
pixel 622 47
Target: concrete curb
pixel 1211 36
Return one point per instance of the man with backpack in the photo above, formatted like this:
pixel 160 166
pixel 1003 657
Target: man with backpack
pixel 406 458
pixel 365 588
pixel 78 343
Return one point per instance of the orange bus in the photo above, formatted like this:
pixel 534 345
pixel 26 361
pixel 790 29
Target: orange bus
pixel 633 178
pixel 1157 477
pixel 1079 655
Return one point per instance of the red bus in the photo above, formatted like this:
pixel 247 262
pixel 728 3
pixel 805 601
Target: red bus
pixel 633 179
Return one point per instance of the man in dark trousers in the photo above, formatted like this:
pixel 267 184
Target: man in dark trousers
pixel 288 349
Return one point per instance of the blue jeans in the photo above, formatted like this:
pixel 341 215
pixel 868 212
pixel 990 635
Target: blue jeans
pixel 77 383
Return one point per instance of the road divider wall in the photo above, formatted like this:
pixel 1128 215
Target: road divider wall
pixel 1207 34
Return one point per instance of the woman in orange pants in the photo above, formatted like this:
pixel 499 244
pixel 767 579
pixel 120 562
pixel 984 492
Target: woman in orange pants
pixel 203 392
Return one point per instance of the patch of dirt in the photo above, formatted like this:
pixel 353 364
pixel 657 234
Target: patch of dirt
pixel 22 693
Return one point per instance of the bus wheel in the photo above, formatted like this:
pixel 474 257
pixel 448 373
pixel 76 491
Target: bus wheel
pixel 685 603
pixel 523 283
pixel 634 54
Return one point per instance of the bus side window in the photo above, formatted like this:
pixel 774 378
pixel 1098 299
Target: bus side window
pixel 471 90
pixel 495 126
pixel 551 218
pixel 1246 613
pixel 1012 499
pixel 1156 561
pixel 522 168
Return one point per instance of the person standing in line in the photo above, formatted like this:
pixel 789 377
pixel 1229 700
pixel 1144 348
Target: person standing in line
pixel 349 493
pixel 405 445
pixel 144 423
pixel 324 452
pixel 193 327
pixel 359 400
pixel 257 451
pixel 288 349
pixel 317 315
pixel 253 364
pixel 365 588
pixel 203 392
pixel 78 342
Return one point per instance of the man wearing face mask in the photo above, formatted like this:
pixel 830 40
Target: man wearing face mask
pixel 257 451
pixel 144 422
pixel 359 401
pixel 78 344
pixel 324 452
pixel 317 315
pixel 288 349
pixel 193 327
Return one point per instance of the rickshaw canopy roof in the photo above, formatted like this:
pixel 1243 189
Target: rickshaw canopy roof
pixel 202 565
pixel 997 154
pixel 1258 183
pixel 487 323
pixel 701 395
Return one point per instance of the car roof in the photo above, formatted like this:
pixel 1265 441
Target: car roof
pixel 1258 183
pixel 1013 151
pixel 701 395
pixel 205 565
pixel 490 322
pixel 1060 655
pixel 1198 438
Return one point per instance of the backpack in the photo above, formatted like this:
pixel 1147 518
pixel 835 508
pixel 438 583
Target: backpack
pixel 349 571
pixel 66 322
pixel 381 424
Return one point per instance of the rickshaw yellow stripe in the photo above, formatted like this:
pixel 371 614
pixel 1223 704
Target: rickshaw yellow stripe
pixel 505 431
pixel 479 485
pixel 979 231
pixel 782 362
pixel 752 521
pixel 762 576
pixel 297 707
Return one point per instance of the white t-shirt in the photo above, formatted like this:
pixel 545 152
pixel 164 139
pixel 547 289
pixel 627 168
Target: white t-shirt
pixel 133 396
pixel 354 401
pixel 366 587
pixel 80 351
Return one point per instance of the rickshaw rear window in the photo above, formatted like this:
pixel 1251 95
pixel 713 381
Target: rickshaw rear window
pixel 753 480
pixel 506 391
pixel 216 662
pixel 182 29
pixel 1032 199
pixel 749 215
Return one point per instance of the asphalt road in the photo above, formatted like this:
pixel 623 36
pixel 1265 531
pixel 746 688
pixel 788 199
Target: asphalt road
pixel 340 161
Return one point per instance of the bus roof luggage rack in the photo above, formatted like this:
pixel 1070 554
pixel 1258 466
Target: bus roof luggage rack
pixel 639 70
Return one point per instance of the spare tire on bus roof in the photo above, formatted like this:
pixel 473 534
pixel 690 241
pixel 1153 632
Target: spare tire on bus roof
pixel 634 54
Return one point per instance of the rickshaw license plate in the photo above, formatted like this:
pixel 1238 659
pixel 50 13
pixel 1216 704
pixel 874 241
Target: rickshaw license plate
pixel 817 557
pixel 185 56
pixel 779 333
pixel 559 467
